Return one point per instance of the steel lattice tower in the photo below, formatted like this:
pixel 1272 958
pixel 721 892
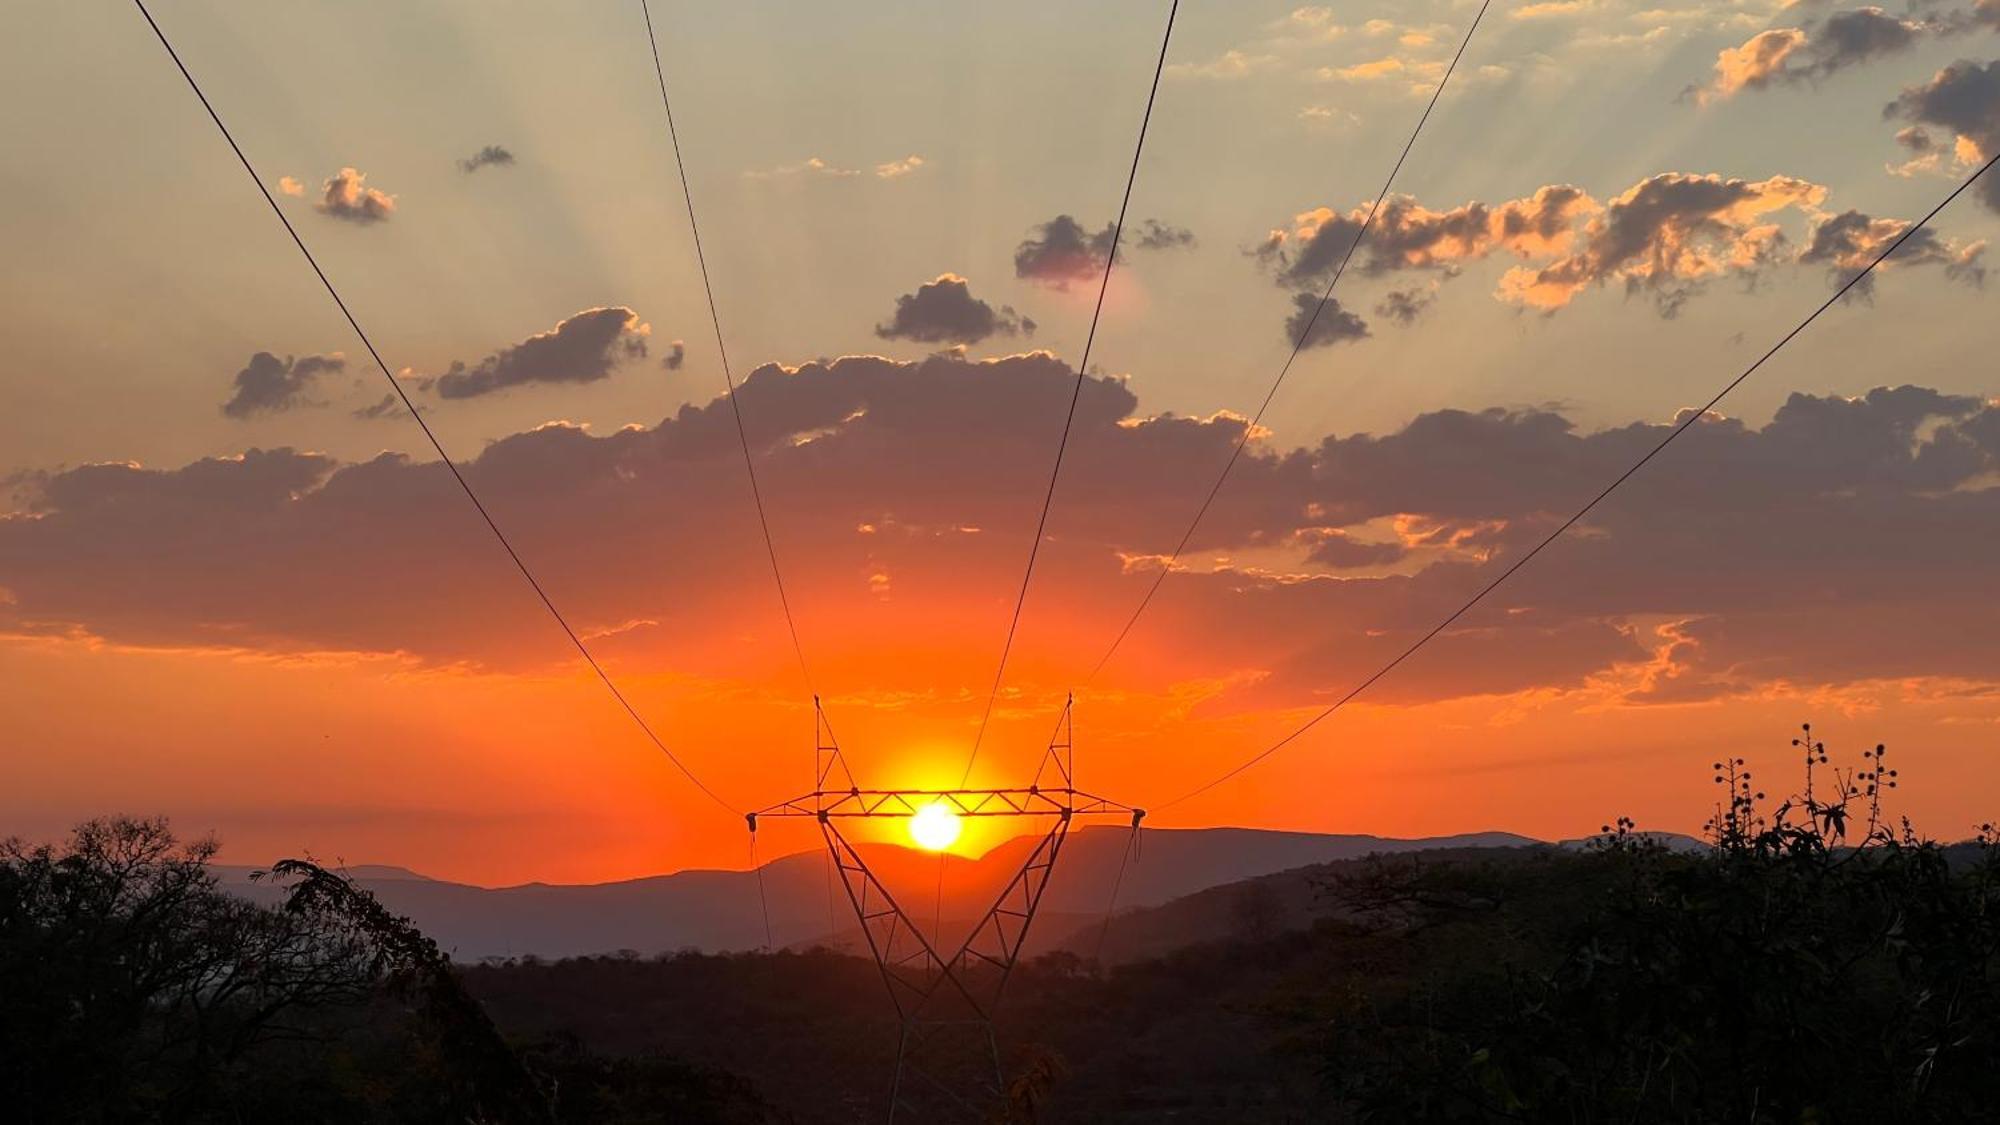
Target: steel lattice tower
pixel 947 1060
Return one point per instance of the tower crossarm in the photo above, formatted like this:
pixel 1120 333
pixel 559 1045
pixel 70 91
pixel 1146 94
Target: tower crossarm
pixel 1029 801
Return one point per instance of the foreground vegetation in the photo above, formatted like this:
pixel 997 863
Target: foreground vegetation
pixel 1815 962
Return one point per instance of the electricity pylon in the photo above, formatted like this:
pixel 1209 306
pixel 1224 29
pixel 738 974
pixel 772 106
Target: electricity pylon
pixel 947 1059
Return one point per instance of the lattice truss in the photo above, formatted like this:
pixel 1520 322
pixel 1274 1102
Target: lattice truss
pixel 947 1059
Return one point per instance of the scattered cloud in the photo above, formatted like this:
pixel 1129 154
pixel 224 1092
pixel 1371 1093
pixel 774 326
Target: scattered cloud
pixel 492 156
pixel 897 169
pixel 1404 306
pixel 944 311
pixel 1666 236
pixel 1844 39
pixel 1312 325
pixel 386 406
pixel 1551 9
pixel 810 166
pixel 580 349
pixel 267 384
pixel 290 186
pixel 1328 117
pixel 818 168
pixel 1846 243
pixel 1228 65
pixel 347 196
pixel 676 356
pixel 1061 251
pixel 1963 98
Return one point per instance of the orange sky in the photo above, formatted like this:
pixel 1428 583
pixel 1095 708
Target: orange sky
pixel 236 587
pixel 497 760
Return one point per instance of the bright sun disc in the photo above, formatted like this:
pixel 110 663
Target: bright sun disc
pixel 934 827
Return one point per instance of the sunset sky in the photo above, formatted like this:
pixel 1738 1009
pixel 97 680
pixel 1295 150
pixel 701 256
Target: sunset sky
pixel 236 588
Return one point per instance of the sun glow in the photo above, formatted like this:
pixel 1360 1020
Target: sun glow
pixel 934 827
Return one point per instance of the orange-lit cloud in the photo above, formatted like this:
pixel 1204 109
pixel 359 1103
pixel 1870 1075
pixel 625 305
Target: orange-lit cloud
pixel 346 195
pixel 643 534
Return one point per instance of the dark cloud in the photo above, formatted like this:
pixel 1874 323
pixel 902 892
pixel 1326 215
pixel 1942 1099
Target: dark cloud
pixel 1328 326
pixel 1914 138
pixel 386 406
pixel 1964 98
pixel 1852 37
pixel 676 356
pixel 1332 547
pixel 944 311
pixel 1846 243
pixel 1156 235
pixel 347 196
pixel 1844 540
pixel 1404 306
pixel 1061 251
pixel 268 384
pixel 492 156
pixel 581 349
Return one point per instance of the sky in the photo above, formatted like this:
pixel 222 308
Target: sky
pixel 237 589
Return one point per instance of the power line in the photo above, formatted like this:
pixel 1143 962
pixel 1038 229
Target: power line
pixel 396 386
pixel 1299 345
pixel 1076 392
pixel 1608 489
pixel 728 377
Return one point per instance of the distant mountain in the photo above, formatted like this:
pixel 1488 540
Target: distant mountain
pixel 720 910
pixel 1268 904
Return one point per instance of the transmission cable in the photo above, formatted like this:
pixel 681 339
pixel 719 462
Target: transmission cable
pixel 1076 392
pixel 1298 346
pixel 728 377
pixel 1687 422
pixel 396 386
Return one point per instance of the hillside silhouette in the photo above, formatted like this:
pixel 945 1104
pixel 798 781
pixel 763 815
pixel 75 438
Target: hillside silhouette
pixel 1814 960
pixel 721 911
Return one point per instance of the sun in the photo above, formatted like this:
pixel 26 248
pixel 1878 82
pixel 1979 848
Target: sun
pixel 934 827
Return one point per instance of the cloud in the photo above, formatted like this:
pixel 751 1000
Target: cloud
pixel 1754 65
pixel 1061 251
pixel 1846 243
pixel 1404 306
pixel 1231 64
pixel 347 196
pixel 386 406
pixel 492 156
pixel 1152 234
pixel 944 311
pixel 1845 539
pixel 1963 98
pixel 897 169
pixel 267 384
pixel 580 349
pixel 1667 236
pixel 1548 9
pixel 1329 325
pixel 289 186
pixel 810 166
pixel 1407 235
pixel 818 168
pixel 1790 55
pixel 676 356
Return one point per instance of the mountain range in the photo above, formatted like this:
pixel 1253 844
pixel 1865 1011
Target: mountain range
pixel 719 911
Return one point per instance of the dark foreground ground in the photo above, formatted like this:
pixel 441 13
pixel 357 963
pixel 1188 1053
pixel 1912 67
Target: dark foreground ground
pixel 1812 964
